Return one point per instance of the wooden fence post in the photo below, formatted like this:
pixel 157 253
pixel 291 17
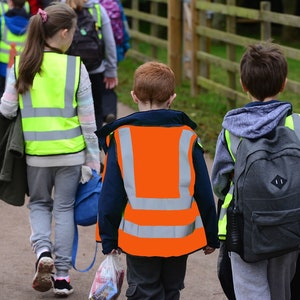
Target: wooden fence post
pixel 204 43
pixel 195 89
pixel 265 28
pixel 175 38
pixel 135 22
pixel 200 18
pixel 187 39
pixel 154 27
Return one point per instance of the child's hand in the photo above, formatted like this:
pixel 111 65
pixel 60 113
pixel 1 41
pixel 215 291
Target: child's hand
pixel 116 251
pixel 208 250
pixel 110 83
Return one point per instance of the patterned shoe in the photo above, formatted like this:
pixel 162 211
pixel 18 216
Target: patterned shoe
pixel 62 288
pixel 42 280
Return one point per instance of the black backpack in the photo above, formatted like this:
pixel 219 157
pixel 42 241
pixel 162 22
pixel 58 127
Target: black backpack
pixel 87 41
pixel 263 219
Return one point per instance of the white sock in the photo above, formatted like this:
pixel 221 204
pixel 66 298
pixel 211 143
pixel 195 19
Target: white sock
pixel 66 278
pixel 42 250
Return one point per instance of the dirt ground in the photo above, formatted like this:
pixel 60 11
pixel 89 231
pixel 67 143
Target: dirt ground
pixel 17 260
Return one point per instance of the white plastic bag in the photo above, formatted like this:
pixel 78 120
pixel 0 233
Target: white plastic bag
pixel 108 279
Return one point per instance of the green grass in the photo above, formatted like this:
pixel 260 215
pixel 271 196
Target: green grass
pixel 206 109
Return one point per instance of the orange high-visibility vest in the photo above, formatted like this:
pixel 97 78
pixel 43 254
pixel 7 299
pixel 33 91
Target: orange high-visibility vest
pixel 161 217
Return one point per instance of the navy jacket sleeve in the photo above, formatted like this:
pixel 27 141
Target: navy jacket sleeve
pixel 204 197
pixel 112 202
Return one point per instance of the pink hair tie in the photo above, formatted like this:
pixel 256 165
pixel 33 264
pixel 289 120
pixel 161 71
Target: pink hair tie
pixel 43 15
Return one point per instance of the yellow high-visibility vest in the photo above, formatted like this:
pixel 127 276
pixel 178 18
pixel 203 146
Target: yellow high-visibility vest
pixel 49 110
pixel 7 39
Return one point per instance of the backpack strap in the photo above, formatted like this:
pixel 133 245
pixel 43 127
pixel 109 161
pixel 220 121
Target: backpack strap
pixel 74 253
pixel 95 11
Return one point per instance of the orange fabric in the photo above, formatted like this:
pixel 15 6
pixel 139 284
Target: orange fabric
pixel 98 238
pixel 154 162
pixel 162 247
pixel 12 54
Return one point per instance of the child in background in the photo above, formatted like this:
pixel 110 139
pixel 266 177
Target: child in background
pixel 115 11
pixel 13 26
pixel 104 78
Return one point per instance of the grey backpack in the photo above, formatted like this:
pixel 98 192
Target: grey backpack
pixel 263 220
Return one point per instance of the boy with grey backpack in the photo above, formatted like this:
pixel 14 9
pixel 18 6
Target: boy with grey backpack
pixel 256 177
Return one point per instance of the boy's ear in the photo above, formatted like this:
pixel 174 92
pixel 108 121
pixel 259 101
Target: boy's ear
pixel 170 101
pixel 283 85
pixel 134 97
pixel 243 86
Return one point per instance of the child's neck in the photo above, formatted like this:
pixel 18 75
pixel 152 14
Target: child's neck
pixel 264 100
pixel 150 106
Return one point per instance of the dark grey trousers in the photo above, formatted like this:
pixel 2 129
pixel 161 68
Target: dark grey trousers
pixel 155 278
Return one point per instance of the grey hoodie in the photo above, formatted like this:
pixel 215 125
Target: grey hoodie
pixel 254 120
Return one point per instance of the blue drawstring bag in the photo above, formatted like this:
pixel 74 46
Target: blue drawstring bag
pixel 86 201
pixel 85 211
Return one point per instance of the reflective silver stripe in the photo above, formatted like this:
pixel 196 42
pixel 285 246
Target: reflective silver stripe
pixel 68 111
pixel 95 11
pixel 234 143
pixel 52 135
pixel 5 38
pixel 226 203
pixel 126 154
pixel 296 120
pixel 160 204
pixel 160 231
pixel 223 212
pixel 28 112
pixel 184 201
pixel 199 142
pixel 3 8
pixel 184 165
